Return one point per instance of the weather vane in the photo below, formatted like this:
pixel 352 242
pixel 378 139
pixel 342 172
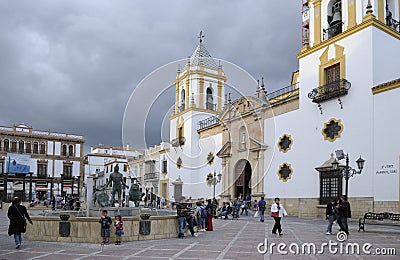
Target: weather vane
pixel 201 36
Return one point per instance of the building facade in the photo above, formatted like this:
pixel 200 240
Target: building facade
pixel 44 157
pixel 283 143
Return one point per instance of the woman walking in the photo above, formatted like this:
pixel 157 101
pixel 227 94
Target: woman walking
pixel 16 214
pixel 277 212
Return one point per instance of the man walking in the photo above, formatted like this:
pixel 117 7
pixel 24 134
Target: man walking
pixel 344 213
pixel 262 204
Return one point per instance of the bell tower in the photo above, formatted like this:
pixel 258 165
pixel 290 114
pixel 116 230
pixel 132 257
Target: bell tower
pixel 199 88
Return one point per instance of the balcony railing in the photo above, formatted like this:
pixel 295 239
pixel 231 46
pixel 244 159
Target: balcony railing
pixel 151 176
pixel 332 31
pixel 178 141
pixel 392 22
pixel 211 106
pixel 281 91
pixel 329 91
pixel 211 121
pixel 181 108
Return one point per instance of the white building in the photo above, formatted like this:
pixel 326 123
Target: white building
pixel 282 144
pixel 101 160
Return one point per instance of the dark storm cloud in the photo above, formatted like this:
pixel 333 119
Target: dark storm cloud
pixel 71 66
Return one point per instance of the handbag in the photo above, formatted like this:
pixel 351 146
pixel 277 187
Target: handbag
pixel 275 214
pixel 256 214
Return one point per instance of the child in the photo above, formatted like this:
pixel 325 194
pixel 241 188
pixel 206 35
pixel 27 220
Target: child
pixel 105 227
pixel 119 229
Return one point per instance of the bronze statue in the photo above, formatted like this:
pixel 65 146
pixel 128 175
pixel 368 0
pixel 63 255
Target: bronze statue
pixel 117 183
pixel 100 197
pixel 135 194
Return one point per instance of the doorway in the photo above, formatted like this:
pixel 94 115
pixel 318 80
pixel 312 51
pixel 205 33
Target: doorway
pixel 243 178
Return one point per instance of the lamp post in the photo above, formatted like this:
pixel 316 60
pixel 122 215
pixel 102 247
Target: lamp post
pixel 30 186
pixel 62 185
pixel 51 190
pixel 5 179
pixel 214 179
pixel 347 172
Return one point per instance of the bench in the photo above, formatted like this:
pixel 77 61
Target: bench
pixel 385 218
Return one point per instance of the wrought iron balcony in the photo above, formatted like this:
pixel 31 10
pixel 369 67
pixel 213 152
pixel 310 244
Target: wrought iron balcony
pixel 333 31
pixel 211 121
pixel 178 141
pixel 211 106
pixel 151 176
pixel 329 91
pixel 181 108
pixel 392 22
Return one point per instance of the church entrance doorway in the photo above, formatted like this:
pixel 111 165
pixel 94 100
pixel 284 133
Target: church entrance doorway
pixel 243 178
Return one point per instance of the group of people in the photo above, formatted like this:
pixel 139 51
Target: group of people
pixel 201 217
pixel 106 223
pixel 338 210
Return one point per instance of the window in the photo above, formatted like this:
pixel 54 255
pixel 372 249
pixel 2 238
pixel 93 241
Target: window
pixel 1 167
pixel 182 105
pixel 42 170
pixel 13 146
pixel 335 22
pixel 209 99
pixel 71 150
pixel 28 148
pixel 330 186
pixel 42 148
pixel 164 188
pixel 332 74
pixel 6 145
pixel 125 167
pixel 67 171
pixel 36 147
pixel 21 146
pixel 164 168
pixel 64 150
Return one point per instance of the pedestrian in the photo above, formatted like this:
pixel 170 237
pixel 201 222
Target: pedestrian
pixel 105 227
pixel 119 229
pixel 244 207
pixel 236 208
pixel 201 217
pixel 277 212
pixel 18 215
pixel 331 215
pixel 262 204
pixel 158 202
pixel 162 202
pixel 344 213
pixel 210 214
pixel 184 215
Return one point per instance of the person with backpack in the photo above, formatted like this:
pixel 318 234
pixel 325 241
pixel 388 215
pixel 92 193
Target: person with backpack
pixel 262 204
pixel 201 214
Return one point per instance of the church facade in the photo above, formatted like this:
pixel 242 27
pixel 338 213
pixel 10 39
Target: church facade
pixel 293 143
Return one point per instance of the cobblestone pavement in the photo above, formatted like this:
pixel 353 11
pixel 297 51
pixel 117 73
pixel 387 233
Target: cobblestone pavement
pixel 231 239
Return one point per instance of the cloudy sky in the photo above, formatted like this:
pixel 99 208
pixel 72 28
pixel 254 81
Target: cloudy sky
pixel 71 66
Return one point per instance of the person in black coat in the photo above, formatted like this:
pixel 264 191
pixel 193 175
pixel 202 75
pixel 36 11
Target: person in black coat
pixel 344 213
pixel 17 214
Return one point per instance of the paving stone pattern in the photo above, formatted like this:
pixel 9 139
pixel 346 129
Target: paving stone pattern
pixel 231 239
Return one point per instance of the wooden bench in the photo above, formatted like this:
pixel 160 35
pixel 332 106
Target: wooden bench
pixel 385 218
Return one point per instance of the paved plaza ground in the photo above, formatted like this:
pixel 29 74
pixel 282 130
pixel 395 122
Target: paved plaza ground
pixel 231 239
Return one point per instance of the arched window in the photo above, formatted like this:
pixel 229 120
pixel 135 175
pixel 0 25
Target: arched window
pixel 71 150
pixel 35 147
pixel 42 148
pixel 209 99
pixel 182 105
pixel 21 146
pixel 64 150
pixel 6 145
pixel 334 15
pixel 13 146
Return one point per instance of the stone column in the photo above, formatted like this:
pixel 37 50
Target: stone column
pixel 257 180
pixel 89 194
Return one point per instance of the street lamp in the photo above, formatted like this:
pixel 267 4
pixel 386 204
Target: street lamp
pixel 347 172
pixel 214 179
